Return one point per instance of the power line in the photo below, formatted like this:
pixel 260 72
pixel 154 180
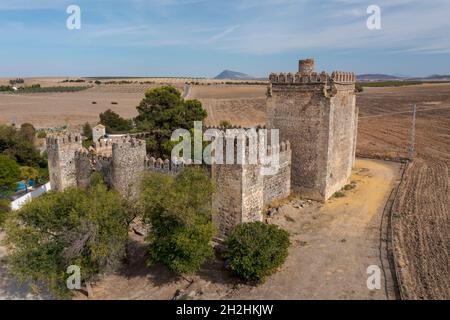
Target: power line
pixel 402 112
pixel 412 138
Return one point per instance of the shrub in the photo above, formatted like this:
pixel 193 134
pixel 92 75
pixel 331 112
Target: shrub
pixel 339 194
pixel 114 123
pixel 179 212
pixel 256 250
pixel 9 173
pixel 5 208
pixel 6 89
pixel 41 134
pixel 87 228
pixel 225 124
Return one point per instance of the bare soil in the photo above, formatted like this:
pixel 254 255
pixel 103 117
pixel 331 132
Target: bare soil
pixel 422 231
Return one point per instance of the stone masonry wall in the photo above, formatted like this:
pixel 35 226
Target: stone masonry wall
pixel 342 140
pixel 128 164
pixel 61 160
pixel 301 113
pixel 278 186
pixel 227 200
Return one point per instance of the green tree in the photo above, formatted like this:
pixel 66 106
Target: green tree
pixel 162 111
pixel 225 124
pixel 87 131
pixel 27 132
pixel 9 173
pixel 83 227
pixel 257 249
pixel 29 173
pixel 179 212
pixel 5 209
pixel 114 123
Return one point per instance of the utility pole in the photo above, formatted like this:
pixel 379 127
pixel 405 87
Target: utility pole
pixel 412 138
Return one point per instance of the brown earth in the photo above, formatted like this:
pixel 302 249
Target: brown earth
pixel 422 231
pixel 422 208
pixel 47 110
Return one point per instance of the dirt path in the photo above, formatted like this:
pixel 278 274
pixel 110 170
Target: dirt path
pixel 334 244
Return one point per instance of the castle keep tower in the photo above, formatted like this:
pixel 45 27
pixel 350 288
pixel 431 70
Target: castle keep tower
pixel 317 113
pixel 61 160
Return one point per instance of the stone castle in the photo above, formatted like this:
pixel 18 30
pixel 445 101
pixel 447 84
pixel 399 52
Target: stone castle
pixel 316 115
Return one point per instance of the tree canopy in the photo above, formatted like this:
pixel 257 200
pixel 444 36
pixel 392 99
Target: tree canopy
pixel 19 144
pixel 10 173
pixel 114 123
pixel 83 227
pixel 162 111
pixel 179 212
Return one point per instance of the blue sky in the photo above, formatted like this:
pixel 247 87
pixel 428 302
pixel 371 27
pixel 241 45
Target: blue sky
pixel 204 37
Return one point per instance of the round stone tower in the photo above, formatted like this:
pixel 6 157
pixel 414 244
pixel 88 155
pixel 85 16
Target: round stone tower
pixel 128 163
pixel 306 66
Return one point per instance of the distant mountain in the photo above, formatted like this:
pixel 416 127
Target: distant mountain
pixel 233 75
pixel 377 77
pixel 438 77
pixel 386 77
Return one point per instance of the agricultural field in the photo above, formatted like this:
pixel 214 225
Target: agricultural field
pixel 46 110
pixel 421 210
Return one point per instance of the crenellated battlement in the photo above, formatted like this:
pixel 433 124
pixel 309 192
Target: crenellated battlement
pixel 343 77
pixel 312 78
pixel 163 166
pixel 284 146
pixel 299 78
pixel 57 140
pixel 127 142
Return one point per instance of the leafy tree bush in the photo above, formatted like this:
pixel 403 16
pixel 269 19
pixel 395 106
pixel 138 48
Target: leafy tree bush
pixel 20 145
pixel 179 212
pixel 225 124
pixel 87 131
pixel 5 208
pixel 162 111
pixel 87 228
pixel 257 249
pixel 9 173
pixel 6 89
pixel 114 123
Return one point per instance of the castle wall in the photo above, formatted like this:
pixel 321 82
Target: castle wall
pixel 278 186
pixel 61 160
pixel 83 167
pixel 252 193
pixel 342 139
pixel 104 166
pixel 227 200
pixel 301 113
